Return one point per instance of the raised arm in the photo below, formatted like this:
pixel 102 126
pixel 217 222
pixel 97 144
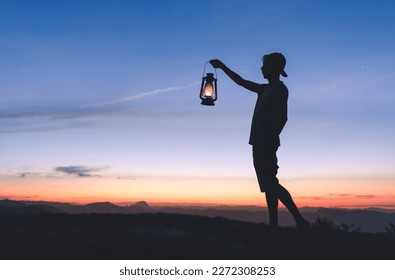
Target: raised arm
pixel 235 77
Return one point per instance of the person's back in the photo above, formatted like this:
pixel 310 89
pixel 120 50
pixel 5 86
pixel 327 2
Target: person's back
pixel 270 115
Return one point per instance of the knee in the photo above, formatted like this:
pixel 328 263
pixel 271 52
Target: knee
pixel 272 189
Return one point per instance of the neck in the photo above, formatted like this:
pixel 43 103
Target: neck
pixel 273 80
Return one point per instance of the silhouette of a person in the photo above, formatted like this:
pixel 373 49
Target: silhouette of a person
pixel 270 116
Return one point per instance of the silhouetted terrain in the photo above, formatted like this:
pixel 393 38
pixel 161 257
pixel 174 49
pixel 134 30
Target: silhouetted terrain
pixel 367 220
pixel 176 236
pixel 16 207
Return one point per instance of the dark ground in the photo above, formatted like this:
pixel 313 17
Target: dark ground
pixel 174 236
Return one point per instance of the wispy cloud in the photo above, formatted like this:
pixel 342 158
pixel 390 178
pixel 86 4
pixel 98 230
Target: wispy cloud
pixel 367 196
pixel 142 94
pixel 80 171
pixel 352 196
pixel 60 172
pixel 19 197
pixel 58 116
pixel 22 175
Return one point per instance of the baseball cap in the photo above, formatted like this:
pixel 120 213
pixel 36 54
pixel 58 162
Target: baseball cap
pixel 278 61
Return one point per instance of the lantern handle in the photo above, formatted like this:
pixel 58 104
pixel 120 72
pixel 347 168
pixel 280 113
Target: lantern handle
pixel 204 70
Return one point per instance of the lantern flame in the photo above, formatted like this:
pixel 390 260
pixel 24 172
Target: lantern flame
pixel 208 90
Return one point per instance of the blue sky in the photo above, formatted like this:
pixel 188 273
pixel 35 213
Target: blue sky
pixel 112 87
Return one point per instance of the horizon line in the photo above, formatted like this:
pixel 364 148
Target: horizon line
pixel 213 205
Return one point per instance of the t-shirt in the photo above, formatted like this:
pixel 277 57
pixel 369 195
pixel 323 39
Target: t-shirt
pixel 270 115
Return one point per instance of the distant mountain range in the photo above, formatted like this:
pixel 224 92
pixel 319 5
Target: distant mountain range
pixel 368 220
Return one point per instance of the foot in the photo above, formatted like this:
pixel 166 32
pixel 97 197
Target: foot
pixel 303 224
pixel 273 226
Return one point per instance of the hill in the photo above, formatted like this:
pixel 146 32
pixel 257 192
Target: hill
pixel 175 236
pixel 16 207
pixel 366 220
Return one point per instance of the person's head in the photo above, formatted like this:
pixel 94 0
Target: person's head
pixel 273 66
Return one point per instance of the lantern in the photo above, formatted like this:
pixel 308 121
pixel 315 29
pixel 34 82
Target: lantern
pixel 208 90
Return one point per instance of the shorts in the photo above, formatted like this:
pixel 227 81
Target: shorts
pixel 265 163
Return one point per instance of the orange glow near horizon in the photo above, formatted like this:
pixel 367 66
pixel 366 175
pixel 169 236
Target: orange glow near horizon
pixel 313 192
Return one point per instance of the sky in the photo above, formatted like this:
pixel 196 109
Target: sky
pixel 100 101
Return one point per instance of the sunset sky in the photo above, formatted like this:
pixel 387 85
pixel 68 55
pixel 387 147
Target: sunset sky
pixel 99 100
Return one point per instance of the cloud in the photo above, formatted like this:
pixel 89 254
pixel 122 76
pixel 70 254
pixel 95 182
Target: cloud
pixel 20 197
pixel 40 120
pixel 128 177
pixel 313 197
pixel 60 116
pixel 346 195
pixel 340 194
pixel 80 171
pixel 143 94
pixel 367 196
pixel 22 175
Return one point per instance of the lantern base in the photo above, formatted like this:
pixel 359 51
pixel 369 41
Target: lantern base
pixel 207 102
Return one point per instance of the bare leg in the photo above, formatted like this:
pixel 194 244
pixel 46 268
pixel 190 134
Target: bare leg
pixel 265 163
pixel 280 193
pixel 272 206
